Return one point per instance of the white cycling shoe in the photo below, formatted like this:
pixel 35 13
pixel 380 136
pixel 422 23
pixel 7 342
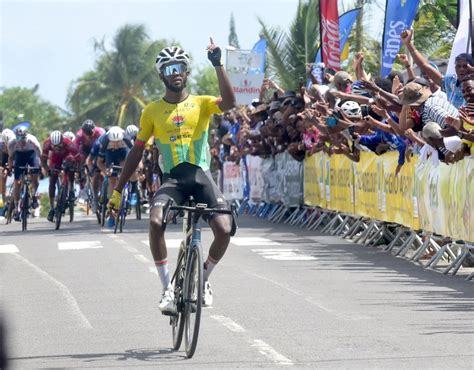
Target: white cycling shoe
pixel 167 304
pixel 207 297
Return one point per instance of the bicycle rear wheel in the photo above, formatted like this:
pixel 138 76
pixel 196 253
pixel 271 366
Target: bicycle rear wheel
pixel 193 300
pixel 138 206
pixel 71 210
pixel 10 208
pixel 177 321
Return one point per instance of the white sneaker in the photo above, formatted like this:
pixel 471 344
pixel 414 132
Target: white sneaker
pixel 167 301
pixel 207 297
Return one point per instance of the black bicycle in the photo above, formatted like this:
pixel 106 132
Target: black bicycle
pixel 25 196
pixel 187 278
pixel 65 197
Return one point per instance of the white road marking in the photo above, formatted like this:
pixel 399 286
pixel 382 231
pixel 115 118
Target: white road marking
pixel 153 270
pixel 8 248
pixel 252 241
pixel 170 243
pixel 269 352
pixel 130 249
pixel 79 245
pixel 71 301
pixel 142 258
pixel 228 323
pixel 284 254
pixel 294 291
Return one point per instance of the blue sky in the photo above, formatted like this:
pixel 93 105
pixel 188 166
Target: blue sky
pixel 51 42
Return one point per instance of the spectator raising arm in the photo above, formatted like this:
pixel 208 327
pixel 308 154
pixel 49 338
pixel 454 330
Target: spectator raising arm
pixel 419 58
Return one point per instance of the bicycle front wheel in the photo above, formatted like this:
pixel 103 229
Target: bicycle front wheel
pixel 60 204
pixel 24 209
pixel 193 300
pixel 177 321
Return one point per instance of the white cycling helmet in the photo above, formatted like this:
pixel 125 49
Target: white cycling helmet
pixel 351 109
pixel 7 135
pixel 21 132
pixel 115 134
pixel 132 130
pixel 171 54
pixel 70 135
pixel 56 137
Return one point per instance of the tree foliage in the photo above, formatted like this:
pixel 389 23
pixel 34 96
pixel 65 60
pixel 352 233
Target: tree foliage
pixel 289 52
pixel 204 82
pixel 233 39
pixel 43 116
pixel 123 81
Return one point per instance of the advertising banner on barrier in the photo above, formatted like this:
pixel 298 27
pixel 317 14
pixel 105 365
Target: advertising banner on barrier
pixel 366 186
pixel 446 198
pixel 293 184
pixel 273 182
pixel 341 178
pixel 396 199
pixel 312 192
pixel 254 169
pixel 233 187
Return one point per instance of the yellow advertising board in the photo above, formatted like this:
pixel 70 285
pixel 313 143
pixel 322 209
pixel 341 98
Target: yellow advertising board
pixel 446 198
pixel 341 183
pixel 397 201
pixel 366 185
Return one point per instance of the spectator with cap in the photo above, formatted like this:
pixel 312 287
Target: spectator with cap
pixel 451 84
pixel 421 106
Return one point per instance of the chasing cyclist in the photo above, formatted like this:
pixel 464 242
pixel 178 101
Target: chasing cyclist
pixel 113 150
pixel 86 136
pixel 59 152
pixel 24 150
pixel 179 122
pixel 7 136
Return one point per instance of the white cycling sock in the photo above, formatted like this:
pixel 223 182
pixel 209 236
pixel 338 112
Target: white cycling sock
pixel 163 273
pixel 208 267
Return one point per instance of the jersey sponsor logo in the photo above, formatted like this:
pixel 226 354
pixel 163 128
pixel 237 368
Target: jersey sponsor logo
pixel 178 120
pixel 183 136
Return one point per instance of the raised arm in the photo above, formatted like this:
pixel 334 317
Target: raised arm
pixel 227 94
pixel 420 59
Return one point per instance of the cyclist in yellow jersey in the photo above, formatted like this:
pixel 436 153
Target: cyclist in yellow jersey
pixel 179 123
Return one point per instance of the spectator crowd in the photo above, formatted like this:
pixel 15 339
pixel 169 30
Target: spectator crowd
pixel 430 114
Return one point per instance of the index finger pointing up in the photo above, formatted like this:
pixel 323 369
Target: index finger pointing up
pixel 211 40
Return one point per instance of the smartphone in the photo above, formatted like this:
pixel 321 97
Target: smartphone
pixel 365 110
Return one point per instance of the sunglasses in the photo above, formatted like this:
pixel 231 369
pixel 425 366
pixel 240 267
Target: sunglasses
pixel 172 69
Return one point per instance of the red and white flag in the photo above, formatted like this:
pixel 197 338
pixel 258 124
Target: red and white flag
pixel 329 24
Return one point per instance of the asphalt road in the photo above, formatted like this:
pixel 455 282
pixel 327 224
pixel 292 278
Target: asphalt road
pixel 82 297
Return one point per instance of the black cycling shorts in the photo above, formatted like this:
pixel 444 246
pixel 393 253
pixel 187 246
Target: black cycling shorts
pixel 187 179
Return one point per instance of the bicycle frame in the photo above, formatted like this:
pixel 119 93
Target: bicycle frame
pixel 25 194
pixel 188 278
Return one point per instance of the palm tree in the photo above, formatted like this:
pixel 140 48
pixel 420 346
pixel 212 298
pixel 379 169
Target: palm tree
pixel 289 52
pixel 123 81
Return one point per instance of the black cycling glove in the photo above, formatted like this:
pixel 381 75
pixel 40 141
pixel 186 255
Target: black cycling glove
pixel 215 57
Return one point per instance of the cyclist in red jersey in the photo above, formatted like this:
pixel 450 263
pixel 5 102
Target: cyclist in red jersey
pixel 59 151
pixel 85 139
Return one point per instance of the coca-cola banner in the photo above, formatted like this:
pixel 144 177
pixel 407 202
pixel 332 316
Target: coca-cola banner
pixel 330 34
pixel 399 16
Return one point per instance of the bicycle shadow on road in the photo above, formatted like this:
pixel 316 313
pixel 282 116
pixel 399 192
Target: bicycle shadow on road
pixel 155 355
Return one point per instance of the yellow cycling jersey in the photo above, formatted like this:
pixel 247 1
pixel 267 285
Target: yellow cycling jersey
pixel 180 130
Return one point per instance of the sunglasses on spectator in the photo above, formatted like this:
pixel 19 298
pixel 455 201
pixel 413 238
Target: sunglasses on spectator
pixel 172 69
